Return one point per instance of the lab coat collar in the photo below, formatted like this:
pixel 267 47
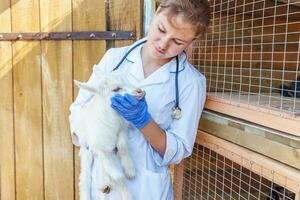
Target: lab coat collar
pixel 161 75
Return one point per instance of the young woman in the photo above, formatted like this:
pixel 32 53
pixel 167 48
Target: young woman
pixel 165 121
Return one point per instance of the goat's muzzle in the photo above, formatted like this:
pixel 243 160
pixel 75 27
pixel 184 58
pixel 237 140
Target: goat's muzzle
pixel 139 93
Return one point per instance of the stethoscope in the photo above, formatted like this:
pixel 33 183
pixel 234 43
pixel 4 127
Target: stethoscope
pixel 176 110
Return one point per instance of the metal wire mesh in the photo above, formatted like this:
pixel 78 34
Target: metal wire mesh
pixel 212 176
pixel 251 54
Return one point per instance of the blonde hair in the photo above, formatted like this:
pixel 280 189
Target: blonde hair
pixel 197 12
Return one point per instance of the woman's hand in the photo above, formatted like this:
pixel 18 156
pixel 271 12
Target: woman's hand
pixel 132 109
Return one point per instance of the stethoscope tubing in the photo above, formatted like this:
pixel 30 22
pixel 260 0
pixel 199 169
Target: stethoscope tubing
pixel 176 109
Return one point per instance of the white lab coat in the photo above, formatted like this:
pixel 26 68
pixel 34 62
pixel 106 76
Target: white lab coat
pixel 153 181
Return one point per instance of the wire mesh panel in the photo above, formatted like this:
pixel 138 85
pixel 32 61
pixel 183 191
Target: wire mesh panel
pixel 251 54
pixel 214 172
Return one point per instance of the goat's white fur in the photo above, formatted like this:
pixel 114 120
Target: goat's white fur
pixel 101 131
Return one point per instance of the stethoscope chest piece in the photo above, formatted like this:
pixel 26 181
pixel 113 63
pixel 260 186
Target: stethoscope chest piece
pixel 176 113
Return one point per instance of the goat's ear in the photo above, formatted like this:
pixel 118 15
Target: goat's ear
pixel 78 83
pixel 85 86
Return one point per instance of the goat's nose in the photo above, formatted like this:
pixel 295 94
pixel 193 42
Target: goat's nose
pixel 139 93
pixel 138 90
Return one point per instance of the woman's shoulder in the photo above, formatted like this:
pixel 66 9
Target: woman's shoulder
pixel 193 80
pixel 115 52
pixel 110 59
pixel 192 74
pixel 114 55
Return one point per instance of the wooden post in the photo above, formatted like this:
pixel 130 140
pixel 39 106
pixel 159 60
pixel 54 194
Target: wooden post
pixel 27 103
pixel 56 61
pixel 88 15
pixel 7 156
pixel 178 180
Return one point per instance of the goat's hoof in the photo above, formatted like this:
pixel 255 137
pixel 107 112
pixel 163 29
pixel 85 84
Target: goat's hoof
pixel 105 189
pixel 130 173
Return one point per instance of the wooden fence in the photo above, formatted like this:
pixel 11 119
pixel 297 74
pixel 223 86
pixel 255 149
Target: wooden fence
pixel 38 160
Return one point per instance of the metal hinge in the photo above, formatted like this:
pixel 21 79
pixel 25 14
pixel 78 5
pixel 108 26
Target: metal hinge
pixel 95 35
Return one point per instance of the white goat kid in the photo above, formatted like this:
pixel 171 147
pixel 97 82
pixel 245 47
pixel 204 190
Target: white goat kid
pixel 102 132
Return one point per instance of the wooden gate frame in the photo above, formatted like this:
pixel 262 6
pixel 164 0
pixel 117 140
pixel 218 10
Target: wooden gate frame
pixel 212 142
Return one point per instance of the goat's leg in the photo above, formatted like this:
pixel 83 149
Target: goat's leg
pixel 124 155
pixel 114 178
pixel 86 160
pixel 111 166
pixel 103 179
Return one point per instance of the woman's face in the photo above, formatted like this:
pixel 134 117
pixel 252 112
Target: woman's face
pixel 169 36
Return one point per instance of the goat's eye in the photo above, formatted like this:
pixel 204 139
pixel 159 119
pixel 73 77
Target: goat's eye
pixel 117 89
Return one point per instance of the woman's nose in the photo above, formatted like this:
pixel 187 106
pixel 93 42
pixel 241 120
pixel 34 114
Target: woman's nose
pixel 163 44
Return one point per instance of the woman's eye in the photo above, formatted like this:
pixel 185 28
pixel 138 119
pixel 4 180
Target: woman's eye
pixel 117 89
pixel 178 43
pixel 160 30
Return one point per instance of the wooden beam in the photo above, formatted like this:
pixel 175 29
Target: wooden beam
pixel 27 103
pixel 265 117
pixel 178 180
pixel 293 2
pixel 88 15
pixel 257 163
pixel 268 142
pixel 7 157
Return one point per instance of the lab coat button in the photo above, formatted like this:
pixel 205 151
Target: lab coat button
pixel 105 189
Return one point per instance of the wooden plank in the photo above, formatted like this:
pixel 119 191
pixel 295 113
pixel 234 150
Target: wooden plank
pixel 292 2
pixel 265 117
pixel 7 157
pixel 88 15
pixel 25 16
pixel 57 96
pixel 27 105
pixel 266 142
pixel 125 15
pixel 262 165
pixel 7 183
pixel 285 106
pixel 139 18
pixel 28 125
pixel 178 180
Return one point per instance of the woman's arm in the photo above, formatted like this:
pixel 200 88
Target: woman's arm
pixel 155 136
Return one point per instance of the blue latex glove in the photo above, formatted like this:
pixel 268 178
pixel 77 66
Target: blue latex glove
pixel 132 109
